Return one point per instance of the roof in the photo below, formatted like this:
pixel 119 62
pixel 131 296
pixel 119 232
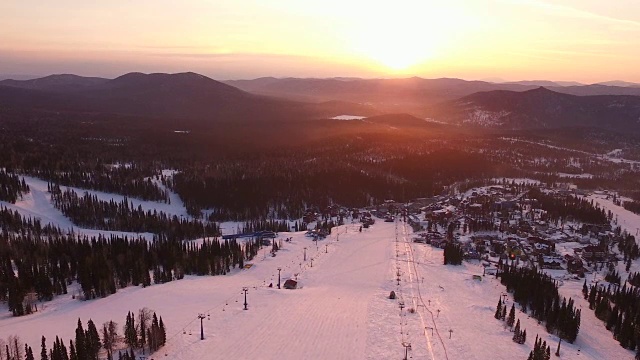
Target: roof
pixel 290 284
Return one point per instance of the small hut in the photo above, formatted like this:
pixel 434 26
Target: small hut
pixel 290 284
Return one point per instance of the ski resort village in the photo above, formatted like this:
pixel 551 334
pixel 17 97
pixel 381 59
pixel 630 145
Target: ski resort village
pixel 501 269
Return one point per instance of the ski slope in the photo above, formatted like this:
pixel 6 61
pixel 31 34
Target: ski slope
pixel 340 311
pixel 327 318
pixel 37 204
pixel 624 218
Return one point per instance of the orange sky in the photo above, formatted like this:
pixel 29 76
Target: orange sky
pixel 581 40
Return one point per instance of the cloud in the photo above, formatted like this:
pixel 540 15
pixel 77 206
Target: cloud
pixel 568 11
pixel 167 47
pixel 228 55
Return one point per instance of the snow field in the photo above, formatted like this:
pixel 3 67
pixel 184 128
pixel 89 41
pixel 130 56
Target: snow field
pixel 37 204
pixel 328 318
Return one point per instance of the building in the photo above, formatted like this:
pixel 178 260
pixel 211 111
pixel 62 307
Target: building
pixel 594 253
pixel 290 284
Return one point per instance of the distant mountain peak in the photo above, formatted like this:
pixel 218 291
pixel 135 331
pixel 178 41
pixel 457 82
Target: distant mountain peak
pixel 542 108
pixel 56 82
pixel 188 79
pixel 619 83
pixel 542 91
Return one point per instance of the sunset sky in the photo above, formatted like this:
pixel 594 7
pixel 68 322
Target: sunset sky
pixel 581 40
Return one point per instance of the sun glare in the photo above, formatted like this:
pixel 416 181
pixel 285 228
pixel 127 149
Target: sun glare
pixel 397 52
pixel 399 42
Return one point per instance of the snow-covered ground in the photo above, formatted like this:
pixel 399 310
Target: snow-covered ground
pixel 348 117
pixel 37 204
pixel 486 118
pixel 341 311
pixel 328 318
pixel 613 156
pixel 626 219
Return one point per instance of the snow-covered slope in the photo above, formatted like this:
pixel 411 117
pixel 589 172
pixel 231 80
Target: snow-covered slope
pixel 341 310
pixel 326 319
pixel 37 204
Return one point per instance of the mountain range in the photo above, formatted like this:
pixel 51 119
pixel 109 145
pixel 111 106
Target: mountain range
pixel 194 97
pixel 415 92
pixel 187 96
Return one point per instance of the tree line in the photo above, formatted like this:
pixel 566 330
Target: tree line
pixel 569 207
pixel 537 294
pixel 149 334
pixel 11 187
pixel 12 221
pixel 634 279
pixel 541 351
pixel 619 308
pixel 627 246
pixel 265 225
pixel 34 268
pixel 285 186
pixel 90 212
pixel 519 335
pixel 633 206
pixel 123 180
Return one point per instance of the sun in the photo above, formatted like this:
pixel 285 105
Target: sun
pixel 405 38
pixel 395 46
pixel 400 54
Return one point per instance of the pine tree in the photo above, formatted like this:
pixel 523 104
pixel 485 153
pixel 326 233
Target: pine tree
pixel 154 339
pixel 81 343
pixel 43 352
pixel 498 313
pixel 73 355
pixel 92 339
pixel 56 352
pixel 109 337
pixel 512 316
pixel 163 333
pixel 130 335
pixel 28 353
pixel 143 319
pixel 64 355
pixel 547 355
pixel 516 333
